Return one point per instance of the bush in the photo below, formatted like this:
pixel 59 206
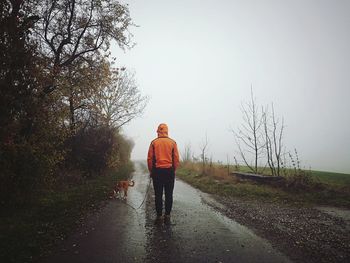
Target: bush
pixel 295 176
pixel 97 149
pixel 27 166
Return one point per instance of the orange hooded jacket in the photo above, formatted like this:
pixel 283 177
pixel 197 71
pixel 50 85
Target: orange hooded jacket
pixel 162 152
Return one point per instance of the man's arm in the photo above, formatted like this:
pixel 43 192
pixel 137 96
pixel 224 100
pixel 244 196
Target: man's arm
pixel 176 157
pixel 150 158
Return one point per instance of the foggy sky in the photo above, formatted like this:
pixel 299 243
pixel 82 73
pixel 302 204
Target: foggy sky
pixel 198 59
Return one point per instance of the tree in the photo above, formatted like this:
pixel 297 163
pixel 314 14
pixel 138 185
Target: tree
pixel 273 131
pixel 17 64
pixel 29 137
pixel 64 50
pixel 204 148
pixel 120 100
pixel 249 136
pixel 71 29
pixel 187 154
pixel 83 82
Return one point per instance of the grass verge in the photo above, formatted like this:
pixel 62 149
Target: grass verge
pixel 329 189
pixel 26 234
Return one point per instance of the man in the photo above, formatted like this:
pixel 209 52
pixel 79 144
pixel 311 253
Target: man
pixel 162 161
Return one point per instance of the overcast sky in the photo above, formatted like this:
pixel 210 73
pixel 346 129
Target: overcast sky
pixel 197 60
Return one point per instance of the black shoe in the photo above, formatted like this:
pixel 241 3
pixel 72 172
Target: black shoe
pixel 167 220
pixel 159 220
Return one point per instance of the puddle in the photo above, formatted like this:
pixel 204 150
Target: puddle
pixel 201 234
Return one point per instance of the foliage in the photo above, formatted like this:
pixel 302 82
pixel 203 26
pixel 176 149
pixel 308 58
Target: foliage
pixel 28 149
pixel 29 164
pixel 70 30
pixel 53 62
pixel 119 100
pixel 54 59
pixel 35 230
pixel 96 148
pixel 122 151
pixel 81 83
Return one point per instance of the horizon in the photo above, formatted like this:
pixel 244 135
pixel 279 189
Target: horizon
pixel 198 60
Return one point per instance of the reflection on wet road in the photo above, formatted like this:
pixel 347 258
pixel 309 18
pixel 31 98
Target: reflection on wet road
pixel 115 234
pixel 200 234
pixel 123 233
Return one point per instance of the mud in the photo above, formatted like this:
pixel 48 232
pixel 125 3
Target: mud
pixel 341 213
pixel 121 232
pixel 305 234
pixel 201 234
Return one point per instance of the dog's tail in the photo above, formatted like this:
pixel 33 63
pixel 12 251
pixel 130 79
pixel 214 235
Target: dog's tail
pixel 132 183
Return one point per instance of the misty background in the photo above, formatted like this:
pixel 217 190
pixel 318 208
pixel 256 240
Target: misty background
pixel 197 61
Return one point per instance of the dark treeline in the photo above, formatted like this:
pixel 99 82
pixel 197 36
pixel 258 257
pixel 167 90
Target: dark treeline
pixel 62 102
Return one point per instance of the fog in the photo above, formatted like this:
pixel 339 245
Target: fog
pixel 197 61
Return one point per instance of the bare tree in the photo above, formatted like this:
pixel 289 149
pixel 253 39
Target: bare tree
pixel 186 155
pixel 204 148
pixel 273 130
pixel 249 136
pixel 236 164
pixel 228 164
pixel 120 101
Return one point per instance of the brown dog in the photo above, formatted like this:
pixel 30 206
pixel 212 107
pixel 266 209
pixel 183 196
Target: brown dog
pixel 122 187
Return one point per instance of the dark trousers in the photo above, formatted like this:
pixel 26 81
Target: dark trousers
pixel 163 179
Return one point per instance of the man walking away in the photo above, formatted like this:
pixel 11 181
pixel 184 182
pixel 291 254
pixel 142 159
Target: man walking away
pixel 162 161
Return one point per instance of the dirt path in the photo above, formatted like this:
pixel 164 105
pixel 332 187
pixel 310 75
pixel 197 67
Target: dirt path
pixel 120 233
pixel 305 234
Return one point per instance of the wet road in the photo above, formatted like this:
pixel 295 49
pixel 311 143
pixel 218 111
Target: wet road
pixel 198 233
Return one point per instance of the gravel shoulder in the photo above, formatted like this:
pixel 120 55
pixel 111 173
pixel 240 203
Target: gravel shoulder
pixel 304 234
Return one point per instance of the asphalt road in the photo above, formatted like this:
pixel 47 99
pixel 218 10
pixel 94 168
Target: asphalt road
pixel 121 232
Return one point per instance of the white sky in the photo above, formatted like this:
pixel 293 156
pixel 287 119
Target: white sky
pixel 197 59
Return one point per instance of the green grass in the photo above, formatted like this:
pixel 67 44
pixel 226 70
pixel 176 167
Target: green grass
pixel 28 233
pixel 334 179
pixel 330 178
pixel 334 188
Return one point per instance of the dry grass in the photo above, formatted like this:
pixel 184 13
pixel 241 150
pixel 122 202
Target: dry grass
pixel 216 179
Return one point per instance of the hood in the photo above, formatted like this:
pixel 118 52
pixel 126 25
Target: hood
pixel 162 130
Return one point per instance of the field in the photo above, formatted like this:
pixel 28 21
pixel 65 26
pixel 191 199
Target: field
pixel 337 179
pixel 324 188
